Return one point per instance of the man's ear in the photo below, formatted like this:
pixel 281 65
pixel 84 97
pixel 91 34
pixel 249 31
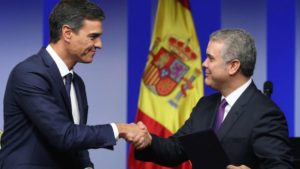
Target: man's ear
pixel 66 33
pixel 234 66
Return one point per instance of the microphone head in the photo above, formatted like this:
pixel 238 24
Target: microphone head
pixel 268 87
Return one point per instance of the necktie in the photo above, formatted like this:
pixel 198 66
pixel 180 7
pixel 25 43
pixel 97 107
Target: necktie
pixel 220 115
pixel 68 81
pixel 74 108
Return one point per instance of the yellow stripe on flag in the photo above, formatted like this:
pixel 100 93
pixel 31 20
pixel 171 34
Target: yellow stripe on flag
pixel 169 95
pixel 173 81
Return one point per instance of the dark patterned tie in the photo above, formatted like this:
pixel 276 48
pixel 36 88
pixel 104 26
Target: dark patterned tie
pixel 220 115
pixel 68 79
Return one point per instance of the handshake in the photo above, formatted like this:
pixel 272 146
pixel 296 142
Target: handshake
pixel 137 134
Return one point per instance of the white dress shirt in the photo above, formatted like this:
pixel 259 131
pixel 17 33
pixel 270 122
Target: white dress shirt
pixel 63 69
pixel 233 96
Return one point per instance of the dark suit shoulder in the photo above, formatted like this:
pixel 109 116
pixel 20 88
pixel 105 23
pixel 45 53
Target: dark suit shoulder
pixel 262 103
pixel 30 72
pixel 30 64
pixel 209 100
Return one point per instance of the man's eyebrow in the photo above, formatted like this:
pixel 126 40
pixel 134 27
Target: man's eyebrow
pixel 94 34
pixel 209 55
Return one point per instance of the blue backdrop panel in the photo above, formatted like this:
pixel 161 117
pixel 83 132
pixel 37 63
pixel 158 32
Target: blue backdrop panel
pixel 207 19
pixel 139 38
pixel 281 55
pixel 48 6
pixel 297 75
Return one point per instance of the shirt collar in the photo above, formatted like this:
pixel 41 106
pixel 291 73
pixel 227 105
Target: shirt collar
pixel 62 67
pixel 232 97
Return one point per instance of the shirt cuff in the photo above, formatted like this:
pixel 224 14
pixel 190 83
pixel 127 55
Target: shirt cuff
pixel 115 129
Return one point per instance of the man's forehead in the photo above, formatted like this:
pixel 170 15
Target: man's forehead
pixel 92 26
pixel 92 23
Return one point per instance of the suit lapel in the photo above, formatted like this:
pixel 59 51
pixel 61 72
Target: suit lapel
pixel 55 74
pixel 213 112
pixel 207 114
pixel 236 111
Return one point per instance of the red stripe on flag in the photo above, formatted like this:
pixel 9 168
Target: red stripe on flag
pixel 185 3
pixel 155 128
pixel 152 125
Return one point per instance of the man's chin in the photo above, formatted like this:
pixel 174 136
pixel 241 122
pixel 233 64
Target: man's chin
pixel 87 61
pixel 207 82
pixel 210 84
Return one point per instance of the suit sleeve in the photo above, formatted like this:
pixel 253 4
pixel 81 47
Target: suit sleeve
pixel 167 151
pixel 34 94
pixel 84 158
pixel 270 141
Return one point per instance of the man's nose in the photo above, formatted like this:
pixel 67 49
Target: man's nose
pixel 204 64
pixel 98 43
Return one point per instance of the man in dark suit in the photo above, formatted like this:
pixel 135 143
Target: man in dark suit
pixel 45 104
pixel 253 131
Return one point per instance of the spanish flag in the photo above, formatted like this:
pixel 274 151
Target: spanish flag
pixel 172 81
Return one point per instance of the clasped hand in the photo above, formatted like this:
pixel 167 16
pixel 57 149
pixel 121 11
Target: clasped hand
pixel 137 134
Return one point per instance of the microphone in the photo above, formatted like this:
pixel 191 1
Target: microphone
pixel 268 88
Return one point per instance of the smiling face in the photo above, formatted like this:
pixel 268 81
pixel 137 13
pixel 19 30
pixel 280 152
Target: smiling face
pixel 216 69
pixel 83 44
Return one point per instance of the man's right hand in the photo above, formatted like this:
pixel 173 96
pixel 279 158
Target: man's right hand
pixel 138 135
pixel 147 136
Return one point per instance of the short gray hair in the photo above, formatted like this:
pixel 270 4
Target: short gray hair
pixel 238 45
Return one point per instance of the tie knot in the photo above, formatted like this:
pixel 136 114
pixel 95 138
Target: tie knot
pixel 69 78
pixel 223 103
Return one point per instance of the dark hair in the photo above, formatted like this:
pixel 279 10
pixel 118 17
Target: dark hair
pixel 238 45
pixel 72 13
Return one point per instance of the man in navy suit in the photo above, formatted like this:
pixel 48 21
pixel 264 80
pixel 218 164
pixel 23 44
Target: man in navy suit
pixel 253 130
pixel 45 114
